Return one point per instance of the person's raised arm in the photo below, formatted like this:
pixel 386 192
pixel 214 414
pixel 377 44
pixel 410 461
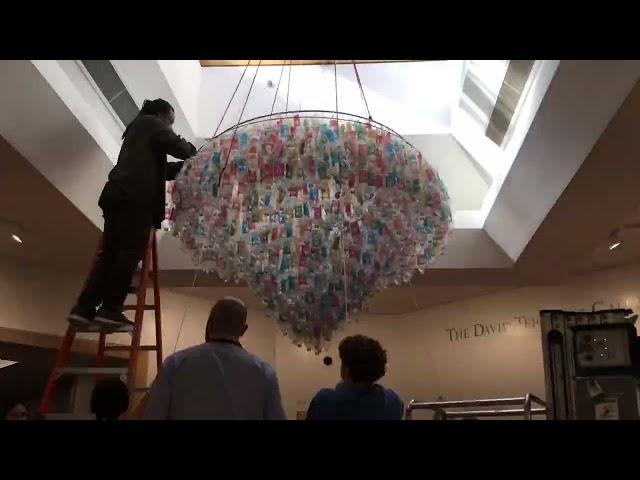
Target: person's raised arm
pixel 173 168
pixel 167 141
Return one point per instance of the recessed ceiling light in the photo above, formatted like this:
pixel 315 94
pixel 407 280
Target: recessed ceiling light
pixel 614 245
pixel 6 363
pixel 16 238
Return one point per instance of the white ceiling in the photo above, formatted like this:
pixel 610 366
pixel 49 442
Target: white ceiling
pixel 426 93
pixel 416 99
pixel 572 237
pixel 412 98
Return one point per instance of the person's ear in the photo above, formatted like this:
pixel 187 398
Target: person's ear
pixel 245 327
pixel 344 372
pixel 166 118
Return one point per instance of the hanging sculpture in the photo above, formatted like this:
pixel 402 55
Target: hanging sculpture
pixel 315 214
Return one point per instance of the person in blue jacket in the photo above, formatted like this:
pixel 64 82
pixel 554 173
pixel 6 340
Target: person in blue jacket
pixel 358 396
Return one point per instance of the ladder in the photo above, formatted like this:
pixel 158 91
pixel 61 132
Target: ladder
pixel 148 270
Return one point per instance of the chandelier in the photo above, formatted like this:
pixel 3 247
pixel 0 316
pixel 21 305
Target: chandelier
pixel 314 210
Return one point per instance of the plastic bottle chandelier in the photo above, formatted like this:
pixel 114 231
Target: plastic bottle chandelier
pixel 315 210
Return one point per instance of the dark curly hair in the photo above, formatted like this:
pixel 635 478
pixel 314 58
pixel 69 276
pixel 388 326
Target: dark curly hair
pixel 151 107
pixel 9 405
pixel 364 357
pixel 110 399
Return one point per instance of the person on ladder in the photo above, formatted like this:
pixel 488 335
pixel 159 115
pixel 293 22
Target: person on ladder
pixel 132 202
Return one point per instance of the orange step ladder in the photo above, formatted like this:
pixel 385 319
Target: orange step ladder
pixel 149 269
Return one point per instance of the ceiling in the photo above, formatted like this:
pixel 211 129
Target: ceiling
pixel 572 239
pixel 603 257
pixel 54 232
pixel 601 197
pixel 409 97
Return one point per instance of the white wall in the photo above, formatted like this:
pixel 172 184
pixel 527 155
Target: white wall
pixel 185 78
pixel 47 120
pixel 145 79
pixel 426 361
pixel 36 299
pixel 466 184
pixel 79 79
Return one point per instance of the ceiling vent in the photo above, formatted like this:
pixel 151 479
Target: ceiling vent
pixel 112 88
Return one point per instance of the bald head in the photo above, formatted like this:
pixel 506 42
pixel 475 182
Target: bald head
pixel 228 319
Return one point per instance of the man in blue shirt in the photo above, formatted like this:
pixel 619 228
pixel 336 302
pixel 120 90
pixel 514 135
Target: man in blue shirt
pixel 217 380
pixel 358 397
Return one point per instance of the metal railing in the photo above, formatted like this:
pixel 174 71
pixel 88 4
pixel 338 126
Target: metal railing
pixel 525 403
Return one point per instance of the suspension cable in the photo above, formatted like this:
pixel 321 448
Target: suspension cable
pixel 355 68
pixel 276 95
pixel 226 162
pixel 286 107
pixel 231 99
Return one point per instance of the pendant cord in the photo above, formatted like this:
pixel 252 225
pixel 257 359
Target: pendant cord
pixel 235 130
pixel 231 99
pixel 366 105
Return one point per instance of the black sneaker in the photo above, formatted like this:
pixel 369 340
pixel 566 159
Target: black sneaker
pixel 81 315
pixel 112 319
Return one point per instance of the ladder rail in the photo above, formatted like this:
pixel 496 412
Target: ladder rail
pixel 156 302
pixel 61 361
pixel 137 325
pixel 102 342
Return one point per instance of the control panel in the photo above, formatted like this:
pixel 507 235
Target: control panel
pixel 602 348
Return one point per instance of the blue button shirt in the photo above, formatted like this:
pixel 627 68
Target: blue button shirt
pixel 215 381
pixel 347 402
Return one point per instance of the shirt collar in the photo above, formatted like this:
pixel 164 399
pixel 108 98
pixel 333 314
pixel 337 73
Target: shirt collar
pixel 355 389
pixel 225 340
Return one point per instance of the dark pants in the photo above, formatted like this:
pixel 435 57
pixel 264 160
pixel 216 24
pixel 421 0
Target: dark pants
pixel 126 233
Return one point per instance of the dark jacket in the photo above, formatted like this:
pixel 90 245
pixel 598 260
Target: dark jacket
pixel 347 402
pixel 142 170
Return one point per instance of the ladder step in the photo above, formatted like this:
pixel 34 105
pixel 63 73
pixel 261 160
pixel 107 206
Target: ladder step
pixel 92 371
pixel 135 307
pixel 126 348
pixel 101 329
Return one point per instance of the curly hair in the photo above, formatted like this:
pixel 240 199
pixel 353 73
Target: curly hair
pixel 110 399
pixel 364 357
pixel 10 404
pixel 151 107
